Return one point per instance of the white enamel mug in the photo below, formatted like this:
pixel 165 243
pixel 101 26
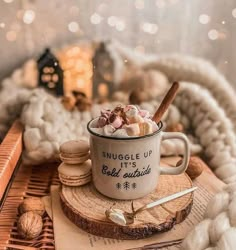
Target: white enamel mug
pixel 128 168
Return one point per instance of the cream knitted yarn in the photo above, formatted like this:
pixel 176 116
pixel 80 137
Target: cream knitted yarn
pixel 217 231
pixel 179 67
pixel 214 129
pixel 48 124
pixel 187 68
pixel 211 126
pixel 12 100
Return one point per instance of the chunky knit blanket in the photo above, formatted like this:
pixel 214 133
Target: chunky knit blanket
pixel 205 103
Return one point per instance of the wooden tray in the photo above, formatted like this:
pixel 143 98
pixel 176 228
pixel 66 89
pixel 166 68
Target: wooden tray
pixel 18 181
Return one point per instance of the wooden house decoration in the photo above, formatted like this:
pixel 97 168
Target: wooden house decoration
pixel 103 68
pixel 50 73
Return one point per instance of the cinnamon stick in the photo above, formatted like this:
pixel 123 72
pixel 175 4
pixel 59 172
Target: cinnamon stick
pixel 168 99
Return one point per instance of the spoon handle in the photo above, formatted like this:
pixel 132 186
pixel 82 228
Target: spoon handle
pixel 166 199
pixel 168 99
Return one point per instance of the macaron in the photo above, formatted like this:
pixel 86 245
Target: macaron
pixel 71 176
pixel 74 152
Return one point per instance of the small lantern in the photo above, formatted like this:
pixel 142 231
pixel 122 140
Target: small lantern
pixel 50 73
pixel 103 68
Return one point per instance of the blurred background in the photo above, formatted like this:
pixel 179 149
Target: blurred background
pixel 197 27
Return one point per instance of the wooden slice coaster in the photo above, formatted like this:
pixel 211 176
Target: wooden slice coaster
pixel 85 207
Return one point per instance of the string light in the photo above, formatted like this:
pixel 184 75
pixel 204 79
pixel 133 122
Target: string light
pixel 223 22
pixel 8 1
pixel 150 28
pixel 29 16
pixel 112 21
pixel 234 13
pixel 11 36
pixel 213 34
pixel 2 25
pixel 95 18
pixel 204 19
pixel 73 27
pixel 120 25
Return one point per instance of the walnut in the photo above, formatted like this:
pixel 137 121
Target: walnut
pixel 195 167
pixel 30 225
pixel 33 204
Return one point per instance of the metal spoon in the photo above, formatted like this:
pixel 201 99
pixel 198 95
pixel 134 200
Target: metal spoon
pixel 124 218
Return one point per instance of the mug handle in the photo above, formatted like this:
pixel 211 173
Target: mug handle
pixel 180 169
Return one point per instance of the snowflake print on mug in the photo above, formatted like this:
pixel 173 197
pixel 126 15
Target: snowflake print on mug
pixel 118 185
pixel 134 185
pixel 126 185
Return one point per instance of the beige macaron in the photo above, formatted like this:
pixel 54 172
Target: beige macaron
pixel 75 176
pixel 74 152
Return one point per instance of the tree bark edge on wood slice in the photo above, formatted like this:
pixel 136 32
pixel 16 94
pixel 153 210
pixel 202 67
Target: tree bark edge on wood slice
pixel 104 228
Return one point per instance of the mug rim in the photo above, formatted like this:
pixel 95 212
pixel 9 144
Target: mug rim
pixel 160 125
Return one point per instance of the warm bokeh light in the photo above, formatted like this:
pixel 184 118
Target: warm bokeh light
pixel 8 1
pixel 95 18
pixel 150 28
pixel 213 34
pixel 76 62
pixel 2 25
pixel 234 13
pixel 73 27
pixel 11 36
pixel 29 16
pixel 204 19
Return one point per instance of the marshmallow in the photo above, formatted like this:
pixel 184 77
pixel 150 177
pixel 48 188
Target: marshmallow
pixel 144 113
pixel 116 121
pixel 131 111
pixel 105 113
pixel 136 119
pixel 127 121
pixel 132 129
pixel 145 128
pixel 108 130
pixel 117 216
pixel 97 130
pixel 155 127
pixel 121 133
pixel 101 122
